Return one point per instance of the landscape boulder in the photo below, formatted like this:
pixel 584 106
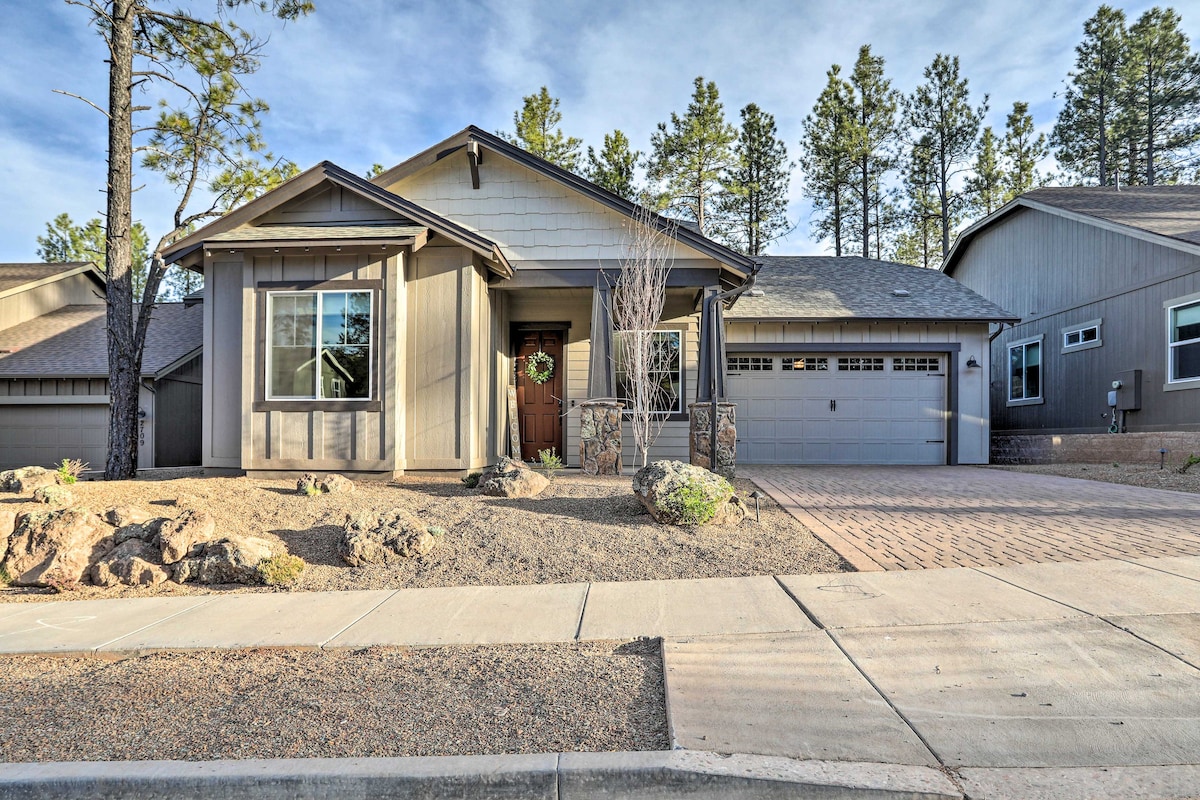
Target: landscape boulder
pixel 337 484
pixel 8 523
pixel 131 563
pixel 27 479
pixel 55 548
pixel 233 559
pixel 307 484
pixel 53 495
pixel 385 538
pixel 179 537
pixel 145 531
pixel 676 493
pixel 512 478
pixel 120 516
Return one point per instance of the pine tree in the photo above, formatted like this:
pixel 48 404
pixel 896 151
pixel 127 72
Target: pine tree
pixel 1082 136
pixel 875 104
pixel 613 168
pixel 757 184
pixel 1160 97
pixel 690 156
pixel 827 154
pixel 537 131
pixel 942 120
pixel 920 242
pixel 1022 151
pixel 985 187
pixel 65 241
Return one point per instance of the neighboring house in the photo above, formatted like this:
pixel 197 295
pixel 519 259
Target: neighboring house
pixel 54 372
pixel 376 326
pixel 1106 282
pixel 852 361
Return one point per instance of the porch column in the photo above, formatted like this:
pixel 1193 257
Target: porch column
pixel 600 364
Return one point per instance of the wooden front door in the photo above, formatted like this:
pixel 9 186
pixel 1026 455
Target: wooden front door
pixel 539 405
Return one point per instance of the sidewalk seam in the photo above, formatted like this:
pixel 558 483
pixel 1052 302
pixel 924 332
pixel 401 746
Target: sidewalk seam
pixel 1083 611
pixel 1128 560
pixel 587 593
pixel 97 648
pixel 1139 637
pixel 360 618
pixel 811 617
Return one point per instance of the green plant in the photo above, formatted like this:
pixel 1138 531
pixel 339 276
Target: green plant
pixel 70 469
pixel 1192 460
pixel 551 463
pixel 471 480
pixel 281 570
pixel 435 531
pixel 692 505
pixel 5 578
pixel 312 490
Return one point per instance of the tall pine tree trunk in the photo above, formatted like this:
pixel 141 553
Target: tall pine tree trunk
pixel 123 361
pixel 1103 140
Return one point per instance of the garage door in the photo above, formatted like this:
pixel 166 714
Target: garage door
pixel 46 434
pixel 839 409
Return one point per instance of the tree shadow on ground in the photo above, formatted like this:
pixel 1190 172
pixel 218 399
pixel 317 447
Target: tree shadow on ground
pixel 317 545
pixel 618 510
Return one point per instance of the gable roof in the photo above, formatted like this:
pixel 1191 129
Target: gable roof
pixel 740 264
pixel 416 217
pixel 19 277
pixel 821 288
pixel 1169 215
pixel 71 342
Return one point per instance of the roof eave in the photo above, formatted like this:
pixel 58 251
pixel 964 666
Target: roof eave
pixel 978 320
pixel 89 269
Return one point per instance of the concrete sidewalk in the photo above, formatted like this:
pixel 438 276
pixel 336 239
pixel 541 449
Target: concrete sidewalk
pixel 1040 680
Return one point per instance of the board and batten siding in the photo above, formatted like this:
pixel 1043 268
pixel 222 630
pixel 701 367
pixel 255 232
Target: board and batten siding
pixel 971 339
pixel 74 290
pixel 532 218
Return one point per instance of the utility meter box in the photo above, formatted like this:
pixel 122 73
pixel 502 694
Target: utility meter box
pixel 1129 393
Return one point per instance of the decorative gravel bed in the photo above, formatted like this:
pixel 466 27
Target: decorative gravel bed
pixel 1145 475
pixel 579 529
pixel 335 704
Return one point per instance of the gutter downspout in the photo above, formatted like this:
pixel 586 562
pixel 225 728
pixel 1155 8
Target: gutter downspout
pixel 714 354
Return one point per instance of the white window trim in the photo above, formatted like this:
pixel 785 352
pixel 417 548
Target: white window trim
pixel 1175 384
pixel 680 402
pixel 1083 326
pixel 370 348
pixel 1028 401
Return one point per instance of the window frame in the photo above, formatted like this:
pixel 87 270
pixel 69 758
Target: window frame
pixel 1080 328
pixel 1041 396
pixel 680 413
pixel 1171 306
pixel 264 291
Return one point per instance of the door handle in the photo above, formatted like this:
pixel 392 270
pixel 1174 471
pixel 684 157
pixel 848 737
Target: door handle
pixel 833 405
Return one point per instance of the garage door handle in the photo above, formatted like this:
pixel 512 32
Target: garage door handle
pixel 833 405
pixel 935 441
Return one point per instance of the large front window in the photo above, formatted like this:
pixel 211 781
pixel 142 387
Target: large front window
pixel 319 346
pixel 659 356
pixel 1025 371
pixel 1183 346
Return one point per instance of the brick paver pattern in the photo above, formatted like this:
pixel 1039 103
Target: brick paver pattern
pixel 920 517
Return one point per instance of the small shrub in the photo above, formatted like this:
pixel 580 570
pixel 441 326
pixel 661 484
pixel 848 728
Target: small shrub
pixel 5 579
pixel 551 463
pixel 471 480
pixel 435 531
pixel 312 490
pixel 281 570
pixel 692 504
pixel 1192 460
pixel 70 469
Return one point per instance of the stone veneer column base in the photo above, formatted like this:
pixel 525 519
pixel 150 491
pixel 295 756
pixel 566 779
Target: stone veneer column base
pixel 600 437
pixel 701 433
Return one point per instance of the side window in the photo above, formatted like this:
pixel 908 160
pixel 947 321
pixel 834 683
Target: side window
pixel 1083 336
pixel 1183 342
pixel 1025 372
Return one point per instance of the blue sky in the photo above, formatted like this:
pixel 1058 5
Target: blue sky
pixel 364 81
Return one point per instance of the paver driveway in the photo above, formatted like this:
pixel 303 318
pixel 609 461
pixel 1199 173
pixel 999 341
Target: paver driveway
pixel 919 517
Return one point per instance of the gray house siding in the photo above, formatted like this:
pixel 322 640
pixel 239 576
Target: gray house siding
pixel 1058 273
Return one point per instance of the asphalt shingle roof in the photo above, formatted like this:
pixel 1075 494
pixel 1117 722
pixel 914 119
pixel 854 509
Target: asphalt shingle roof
pixel 1166 210
pixel 850 287
pixel 15 275
pixel 72 341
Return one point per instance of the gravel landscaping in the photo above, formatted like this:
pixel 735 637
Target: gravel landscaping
pixel 1145 475
pixel 579 529
pixel 206 705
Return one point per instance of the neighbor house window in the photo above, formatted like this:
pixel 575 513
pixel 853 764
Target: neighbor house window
pixel 1183 342
pixel 664 366
pixel 1025 372
pixel 319 345
pixel 1083 336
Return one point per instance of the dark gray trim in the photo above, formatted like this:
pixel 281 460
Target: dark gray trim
pixel 541 326
pixel 318 286
pixel 587 278
pixel 318 405
pixel 843 347
pixel 952 410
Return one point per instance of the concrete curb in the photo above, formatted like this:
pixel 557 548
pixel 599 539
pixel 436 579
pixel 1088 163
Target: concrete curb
pixel 569 776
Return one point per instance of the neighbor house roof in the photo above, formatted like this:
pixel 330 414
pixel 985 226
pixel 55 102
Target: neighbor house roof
pixel 820 288
pixel 71 342
pixel 739 263
pixel 1167 214
pixel 16 277
pixel 416 218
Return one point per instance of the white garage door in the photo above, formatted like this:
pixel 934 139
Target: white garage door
pixel 839 409
pixel 44 435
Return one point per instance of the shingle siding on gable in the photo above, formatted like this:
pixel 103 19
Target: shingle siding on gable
pixel 532 217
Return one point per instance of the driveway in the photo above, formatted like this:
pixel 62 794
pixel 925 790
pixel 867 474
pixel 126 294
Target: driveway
pixel 890 518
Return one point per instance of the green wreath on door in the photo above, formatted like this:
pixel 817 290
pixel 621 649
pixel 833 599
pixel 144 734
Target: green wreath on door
pixel 539 367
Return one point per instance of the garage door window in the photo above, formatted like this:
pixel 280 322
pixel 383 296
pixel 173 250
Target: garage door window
pixel 749 364
pixel 1025 372
pixel 860 364
pixel 917 364
pixel 807 364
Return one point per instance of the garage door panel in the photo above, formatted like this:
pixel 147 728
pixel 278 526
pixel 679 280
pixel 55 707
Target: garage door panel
pixel 46 434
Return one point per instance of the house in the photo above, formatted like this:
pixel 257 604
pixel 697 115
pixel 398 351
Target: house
pixel 377 326
pixel 851 360
pixel 1106 282
pixel 54 372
